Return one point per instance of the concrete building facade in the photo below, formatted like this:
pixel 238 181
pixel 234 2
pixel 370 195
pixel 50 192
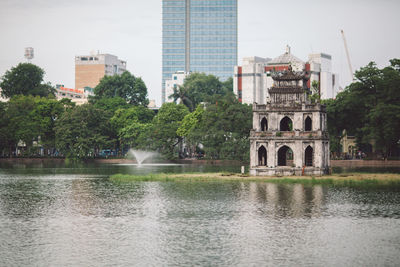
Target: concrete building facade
pixel 251 76
pixel 89 70
pixel 249 90
pixel 176 80
pixel 198 36
pixel 78 96
pixel 289 135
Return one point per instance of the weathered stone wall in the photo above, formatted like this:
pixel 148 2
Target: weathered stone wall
pixel 297 140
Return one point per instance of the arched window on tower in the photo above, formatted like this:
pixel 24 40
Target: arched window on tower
pixel 262 156
pixel 285 156
pixel 264 125
pixel 286 124
pixel 308 124
pixel 308 156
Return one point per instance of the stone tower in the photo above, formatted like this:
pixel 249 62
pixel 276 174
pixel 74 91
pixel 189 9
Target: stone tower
pixel 289 135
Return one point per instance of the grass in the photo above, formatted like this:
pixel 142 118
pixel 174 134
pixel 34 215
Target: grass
pixel 342 180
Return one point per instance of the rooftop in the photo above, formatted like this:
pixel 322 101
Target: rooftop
pixel 285 58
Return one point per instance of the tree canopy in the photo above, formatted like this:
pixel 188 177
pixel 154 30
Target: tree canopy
pixel 369 108
pixel 25 79
pixel 83 131
pixel 162 135
pixel 200 87
pixel 222 129
pixel 126 86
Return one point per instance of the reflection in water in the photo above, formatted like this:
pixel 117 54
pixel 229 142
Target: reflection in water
pixel 287 200
pixel 84 219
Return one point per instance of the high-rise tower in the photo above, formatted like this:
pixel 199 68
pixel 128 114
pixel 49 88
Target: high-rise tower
pixel 199 36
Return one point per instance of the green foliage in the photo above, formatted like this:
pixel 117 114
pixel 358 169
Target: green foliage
pixel 181 92
pixel 369 108
pixel 315 92
pixel 190 122
pixel 109 104
pixel 29 119
pixel 6 138
pixel 163 133
pixel 25 79
pixel 228 85
pixel 224 129
pixel 131 123
pixel 45 114
pixel 133 90
pixel 198 88
pixel 82 132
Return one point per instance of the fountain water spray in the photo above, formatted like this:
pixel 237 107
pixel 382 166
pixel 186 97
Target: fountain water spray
pixel 141 155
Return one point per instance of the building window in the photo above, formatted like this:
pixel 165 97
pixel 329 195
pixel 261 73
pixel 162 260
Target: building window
pixel 308 124
pixel 286 124
pixel 264 125
pixel 175 78
pixel 285 156
pixel 262 156
pixel 308 156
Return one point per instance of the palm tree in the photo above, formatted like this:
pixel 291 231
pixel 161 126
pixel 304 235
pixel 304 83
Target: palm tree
pixel 182 93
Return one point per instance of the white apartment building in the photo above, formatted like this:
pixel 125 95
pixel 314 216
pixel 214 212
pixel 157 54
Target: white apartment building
pixel 249 80
pixel 321 70
pixel 252 79
pixel 176 80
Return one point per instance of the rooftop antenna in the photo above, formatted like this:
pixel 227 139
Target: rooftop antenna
pixel 28 54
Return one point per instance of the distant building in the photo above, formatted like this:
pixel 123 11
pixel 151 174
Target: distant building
pixel 176 80
pixel 321 71
pixel 78 96
pixel 198 36
pixel 251 76
pixel 89 70
pixel 152 103
pixel 253 79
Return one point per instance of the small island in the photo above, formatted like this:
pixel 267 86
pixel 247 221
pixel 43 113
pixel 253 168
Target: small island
pixel 345 179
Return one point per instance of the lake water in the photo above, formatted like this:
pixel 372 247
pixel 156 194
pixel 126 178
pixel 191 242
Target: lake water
pixel 75 216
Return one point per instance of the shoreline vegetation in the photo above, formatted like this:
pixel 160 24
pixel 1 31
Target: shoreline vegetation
pixel 342 180
pixel 124 160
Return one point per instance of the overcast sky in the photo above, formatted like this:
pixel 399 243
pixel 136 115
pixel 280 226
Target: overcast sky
pixel 59 30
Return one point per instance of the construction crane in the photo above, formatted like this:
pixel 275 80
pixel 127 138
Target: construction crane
pixel 348 55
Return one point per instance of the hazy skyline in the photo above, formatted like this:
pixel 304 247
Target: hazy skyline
pixel 132 31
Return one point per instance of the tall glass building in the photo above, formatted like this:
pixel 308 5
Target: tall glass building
pixel 199 36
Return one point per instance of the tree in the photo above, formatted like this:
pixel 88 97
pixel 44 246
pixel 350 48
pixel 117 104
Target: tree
pixel 228 85
pixel 82 132
pixel 133 90
pixel 315 92
pixel 28 119
pixel 109 104
pixel 130 123
pixel 190 121
pixel 163 133
pixel 181 93
pixel 6 138
pixel 369 107
pixel 25 79
pixel 45 114
pixel 22 124
pixel 223 129
pixel 201 87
